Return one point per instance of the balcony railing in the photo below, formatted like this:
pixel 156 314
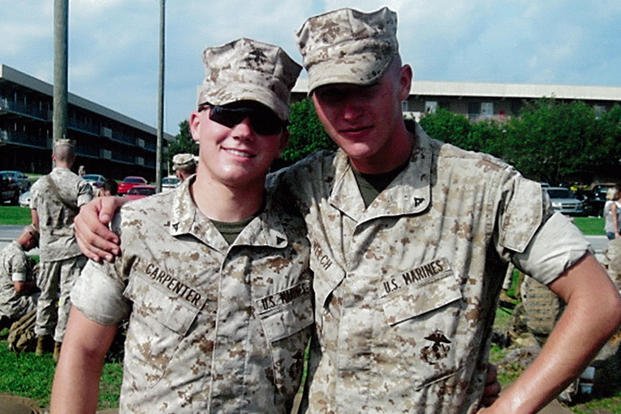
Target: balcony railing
pixel 84 127
pixel 88 151
pixel 123 157
pixel 26 140
pixel 23 109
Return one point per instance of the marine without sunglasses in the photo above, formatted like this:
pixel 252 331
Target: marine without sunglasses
pixel 262 119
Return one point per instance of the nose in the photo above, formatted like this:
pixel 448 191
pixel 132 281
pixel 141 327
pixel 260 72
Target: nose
pixel 351 109
pixel 243 130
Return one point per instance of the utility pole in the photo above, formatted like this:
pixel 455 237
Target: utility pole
pixel 59 115
pixel 160 102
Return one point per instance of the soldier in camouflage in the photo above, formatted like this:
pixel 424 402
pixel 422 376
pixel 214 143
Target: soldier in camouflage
pixel 213 276
pixel 410 241
pixel 184 165
pixel 18 289
pixel 56 199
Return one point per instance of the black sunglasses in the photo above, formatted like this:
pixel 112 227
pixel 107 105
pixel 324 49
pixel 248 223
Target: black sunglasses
pixel 262 119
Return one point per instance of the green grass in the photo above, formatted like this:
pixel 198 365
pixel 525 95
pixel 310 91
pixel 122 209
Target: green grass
pixel 14 215
pixel 30 376
pixel 590 226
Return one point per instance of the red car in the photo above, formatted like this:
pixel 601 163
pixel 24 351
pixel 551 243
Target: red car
pixel 130 182
pixel 140 191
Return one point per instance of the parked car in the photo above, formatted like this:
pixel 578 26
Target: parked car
pixel 130 182
pixel 19 177
pixel 595 198
pixel 564 201
pixel 170 182
pixel 9 189
pixel 95 180
pixel 140 191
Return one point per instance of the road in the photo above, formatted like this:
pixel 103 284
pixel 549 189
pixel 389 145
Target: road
pixel 9 233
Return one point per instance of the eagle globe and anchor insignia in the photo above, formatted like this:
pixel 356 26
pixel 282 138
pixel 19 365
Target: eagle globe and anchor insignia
pixel 433 353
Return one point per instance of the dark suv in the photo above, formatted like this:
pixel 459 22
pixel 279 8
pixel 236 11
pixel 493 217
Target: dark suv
pixel 595 198
pixel 19 177
pixel 9 189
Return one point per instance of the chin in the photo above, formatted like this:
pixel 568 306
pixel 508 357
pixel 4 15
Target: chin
pixel 357 151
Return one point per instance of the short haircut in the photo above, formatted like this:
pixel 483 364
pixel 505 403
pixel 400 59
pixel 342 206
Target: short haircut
pixel 64 152
pixel 111 186
pixel 30 229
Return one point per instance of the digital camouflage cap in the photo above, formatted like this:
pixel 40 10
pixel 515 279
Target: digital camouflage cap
pixel 247 69
pixel 183 160
pixel 348 46
pixel 64 143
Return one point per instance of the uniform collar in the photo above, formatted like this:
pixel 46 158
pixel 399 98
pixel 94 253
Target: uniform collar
pixel 408 193
pixel 264 230
pixel 17 245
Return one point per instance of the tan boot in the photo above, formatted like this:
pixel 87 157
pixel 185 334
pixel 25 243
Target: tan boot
pixel 43 344
pixel 56 355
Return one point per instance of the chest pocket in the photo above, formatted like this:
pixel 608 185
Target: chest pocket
pixel 284 313
pixel 287 318
pixel 160 322
pixel 421 290
pixel 166 308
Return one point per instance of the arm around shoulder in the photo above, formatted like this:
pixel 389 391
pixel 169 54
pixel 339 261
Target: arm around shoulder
pixel 95 239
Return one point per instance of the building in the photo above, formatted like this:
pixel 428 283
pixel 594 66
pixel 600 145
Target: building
pixel 490 100
pixel 107 142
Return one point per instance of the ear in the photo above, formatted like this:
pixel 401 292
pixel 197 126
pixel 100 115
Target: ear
pixel 195 122
pixel 284 139
pixel 405 81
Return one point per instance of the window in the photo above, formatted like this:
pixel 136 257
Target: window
pixel 431 107
pixel 599 110
pixel 474 108
pixel 487 109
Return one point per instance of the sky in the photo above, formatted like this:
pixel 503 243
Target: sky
pixel 114 44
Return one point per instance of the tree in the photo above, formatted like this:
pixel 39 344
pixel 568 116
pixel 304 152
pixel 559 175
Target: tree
pixel 447 126
pixel 183 142
pixel 554 141
pixel 607 155
pixel 306 134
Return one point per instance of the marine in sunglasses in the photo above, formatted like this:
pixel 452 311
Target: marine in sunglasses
pixel 213 276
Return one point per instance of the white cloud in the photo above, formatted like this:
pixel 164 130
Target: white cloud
pixel 113 49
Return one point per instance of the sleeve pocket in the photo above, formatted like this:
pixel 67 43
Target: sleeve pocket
pixel 522 216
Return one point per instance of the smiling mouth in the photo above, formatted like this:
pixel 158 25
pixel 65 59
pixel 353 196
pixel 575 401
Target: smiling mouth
pixel 239 153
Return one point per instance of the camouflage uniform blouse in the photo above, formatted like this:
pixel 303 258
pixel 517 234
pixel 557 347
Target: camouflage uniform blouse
pixel 405 290
pixel 212 327
pixel 57 241
pixel 14 267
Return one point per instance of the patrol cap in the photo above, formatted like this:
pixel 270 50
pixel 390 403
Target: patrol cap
pixel 183 160
pixel 247 69
pixel 64 143
pixel 348 46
